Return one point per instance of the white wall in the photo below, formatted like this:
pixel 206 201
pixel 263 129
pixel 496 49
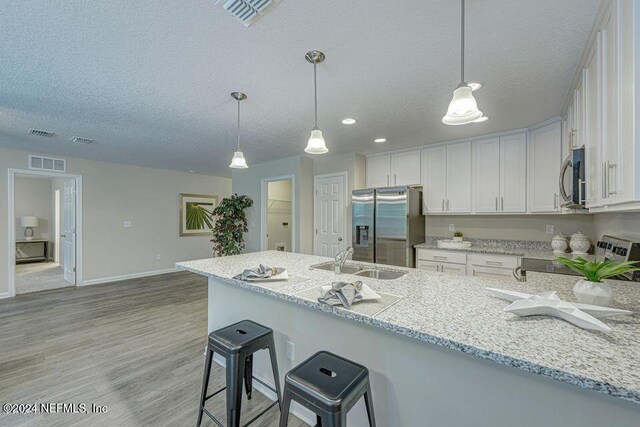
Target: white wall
pixel 249 182
pixel 511 227
pixel 625 225
pixel 33 197
pixel 112 194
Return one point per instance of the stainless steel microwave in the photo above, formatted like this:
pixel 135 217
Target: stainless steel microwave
pixel 572 182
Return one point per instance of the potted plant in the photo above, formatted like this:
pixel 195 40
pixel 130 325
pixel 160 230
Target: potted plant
pixel 591 289
pixel 457 236
pixel 230 226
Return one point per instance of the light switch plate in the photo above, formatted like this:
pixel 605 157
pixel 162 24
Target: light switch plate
pixel 291 350
pixel 126 224
pixel 452 227
pixel 550 229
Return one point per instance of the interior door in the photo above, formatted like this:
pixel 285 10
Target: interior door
pixel 330 216
pixel 486 155
pixel 69 227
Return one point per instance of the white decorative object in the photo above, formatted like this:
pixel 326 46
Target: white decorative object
pixel 549 304
pixel 453 244
pixel 457 239
pixel 559 244
pixel 580 244
pixel 28 222
pixel 597 293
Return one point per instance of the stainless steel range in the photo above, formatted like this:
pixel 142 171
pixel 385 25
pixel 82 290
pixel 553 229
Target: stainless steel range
pixel 607 248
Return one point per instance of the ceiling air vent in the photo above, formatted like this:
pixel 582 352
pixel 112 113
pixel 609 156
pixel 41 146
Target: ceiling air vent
pixel 39 132
pixel 248 11
pixel 81 140
pixel 40 163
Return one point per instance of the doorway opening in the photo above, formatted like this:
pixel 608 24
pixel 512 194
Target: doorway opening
pixel 278 199
pixel 44 231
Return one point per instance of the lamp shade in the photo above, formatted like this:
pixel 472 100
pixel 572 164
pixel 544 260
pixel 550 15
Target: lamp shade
pixel 238 161
pixel 316 143
pixel 463 108
pixel 28 221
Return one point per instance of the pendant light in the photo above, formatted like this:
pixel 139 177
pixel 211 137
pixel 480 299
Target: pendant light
pixel 238 161
pixel 316 143
pixel 463 108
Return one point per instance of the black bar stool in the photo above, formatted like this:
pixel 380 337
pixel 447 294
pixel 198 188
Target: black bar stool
pixel 237 343
pixel 329 385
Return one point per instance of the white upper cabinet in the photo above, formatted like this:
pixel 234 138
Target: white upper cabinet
pixel 405 168
pixel 610 141
pixel 513 173
pixel 500 174
pixel 394 169
pixel 378 171
pixel 592 137
pixel 544 168
pixel 434 178
pixel 486 181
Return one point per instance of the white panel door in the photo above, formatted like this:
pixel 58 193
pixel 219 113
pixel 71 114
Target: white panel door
pixel 405 168
pixel 486 155
pixel 379 171
pixel 458 179
pixel 330 216
pixel 513 173
pixel 544 170
pixel 69 227
pixel 434 179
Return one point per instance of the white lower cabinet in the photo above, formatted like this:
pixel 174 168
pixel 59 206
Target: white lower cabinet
pixel 495 267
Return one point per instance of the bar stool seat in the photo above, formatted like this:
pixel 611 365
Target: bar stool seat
pixel 237 343
pixel 330 386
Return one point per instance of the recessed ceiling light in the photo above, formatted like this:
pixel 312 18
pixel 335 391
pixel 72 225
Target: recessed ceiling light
pixel 380 140
pixel 475 86
pixel 192 171
pixel 481 119
pixel 349 121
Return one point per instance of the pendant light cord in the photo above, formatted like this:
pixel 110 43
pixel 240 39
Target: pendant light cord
pixel 315 94
pixel 238 127
pixel 462 46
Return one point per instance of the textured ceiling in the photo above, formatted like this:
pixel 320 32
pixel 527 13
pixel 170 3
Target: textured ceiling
pixel 150 80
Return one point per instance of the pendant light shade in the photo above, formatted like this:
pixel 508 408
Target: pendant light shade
pixel 463 108
pixel 316 144
pixel 238 161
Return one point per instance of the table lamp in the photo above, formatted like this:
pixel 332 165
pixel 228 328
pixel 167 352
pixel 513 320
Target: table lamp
pixel 28 222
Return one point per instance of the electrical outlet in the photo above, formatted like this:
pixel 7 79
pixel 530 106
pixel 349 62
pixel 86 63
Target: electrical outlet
pixel 452 227
pixel 291 351
pixel 126 224
pixel 550 229
pixel 158 257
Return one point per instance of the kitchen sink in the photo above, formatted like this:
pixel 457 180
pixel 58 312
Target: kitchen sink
pixel 362 271
pixel 380 274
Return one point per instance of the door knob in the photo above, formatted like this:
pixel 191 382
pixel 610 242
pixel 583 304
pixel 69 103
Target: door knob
pixel 63 235
pixel 339 239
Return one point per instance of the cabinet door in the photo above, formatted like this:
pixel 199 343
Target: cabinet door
pixel 610 111
pixel 434 179
pixel 459 269
pixel 577 136
pixel 493 273
pixel 378 171
pixel 427 265
pixel 486 181
pixel 544 170
pixel 513 173
pixel 458 196
pixel 405 168
pixel 592 107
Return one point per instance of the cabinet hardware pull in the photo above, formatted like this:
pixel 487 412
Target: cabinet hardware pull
pixel 395 179
pixel 604 180
pixel 448 206
pixel 442 205
pixel 502 204
pixel 440 257
pixel 609 167
pixel 387 179
pixel 581 182
pixel 493 262
pixel 496 204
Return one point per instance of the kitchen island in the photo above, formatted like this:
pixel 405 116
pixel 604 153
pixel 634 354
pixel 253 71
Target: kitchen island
pixel 441 351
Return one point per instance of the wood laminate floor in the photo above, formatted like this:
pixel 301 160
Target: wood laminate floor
pixel 134 346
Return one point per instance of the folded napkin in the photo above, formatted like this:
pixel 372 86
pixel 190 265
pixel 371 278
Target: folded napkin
pixel 343 293
pixel 260 272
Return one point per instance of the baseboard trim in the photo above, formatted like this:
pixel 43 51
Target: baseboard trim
pixel 5 295
pixel 125 277
pixel 296 409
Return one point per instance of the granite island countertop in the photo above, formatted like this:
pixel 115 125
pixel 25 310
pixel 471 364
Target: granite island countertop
pixel 456 313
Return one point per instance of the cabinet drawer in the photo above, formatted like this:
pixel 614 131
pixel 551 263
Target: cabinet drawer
pixel 442 256
pixel 500 261
pixel 492 273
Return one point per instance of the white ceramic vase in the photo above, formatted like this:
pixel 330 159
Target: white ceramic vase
pixel 596 293
pixel 457 239
pixel 579 244
pixel 559 244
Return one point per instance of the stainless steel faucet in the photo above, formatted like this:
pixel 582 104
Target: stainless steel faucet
pixel 340 259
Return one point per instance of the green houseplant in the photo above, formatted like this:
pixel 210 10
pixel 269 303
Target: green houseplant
pixel 457 236
pixel 230 226
pixel 591 289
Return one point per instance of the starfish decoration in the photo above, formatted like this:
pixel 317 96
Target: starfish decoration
pixel 549 304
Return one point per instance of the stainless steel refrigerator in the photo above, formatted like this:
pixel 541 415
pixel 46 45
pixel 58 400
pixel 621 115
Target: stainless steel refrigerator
pixel 386 223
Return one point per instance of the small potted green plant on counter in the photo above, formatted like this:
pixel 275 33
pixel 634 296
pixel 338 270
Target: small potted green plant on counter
pixel 591 289
pixel 457 236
